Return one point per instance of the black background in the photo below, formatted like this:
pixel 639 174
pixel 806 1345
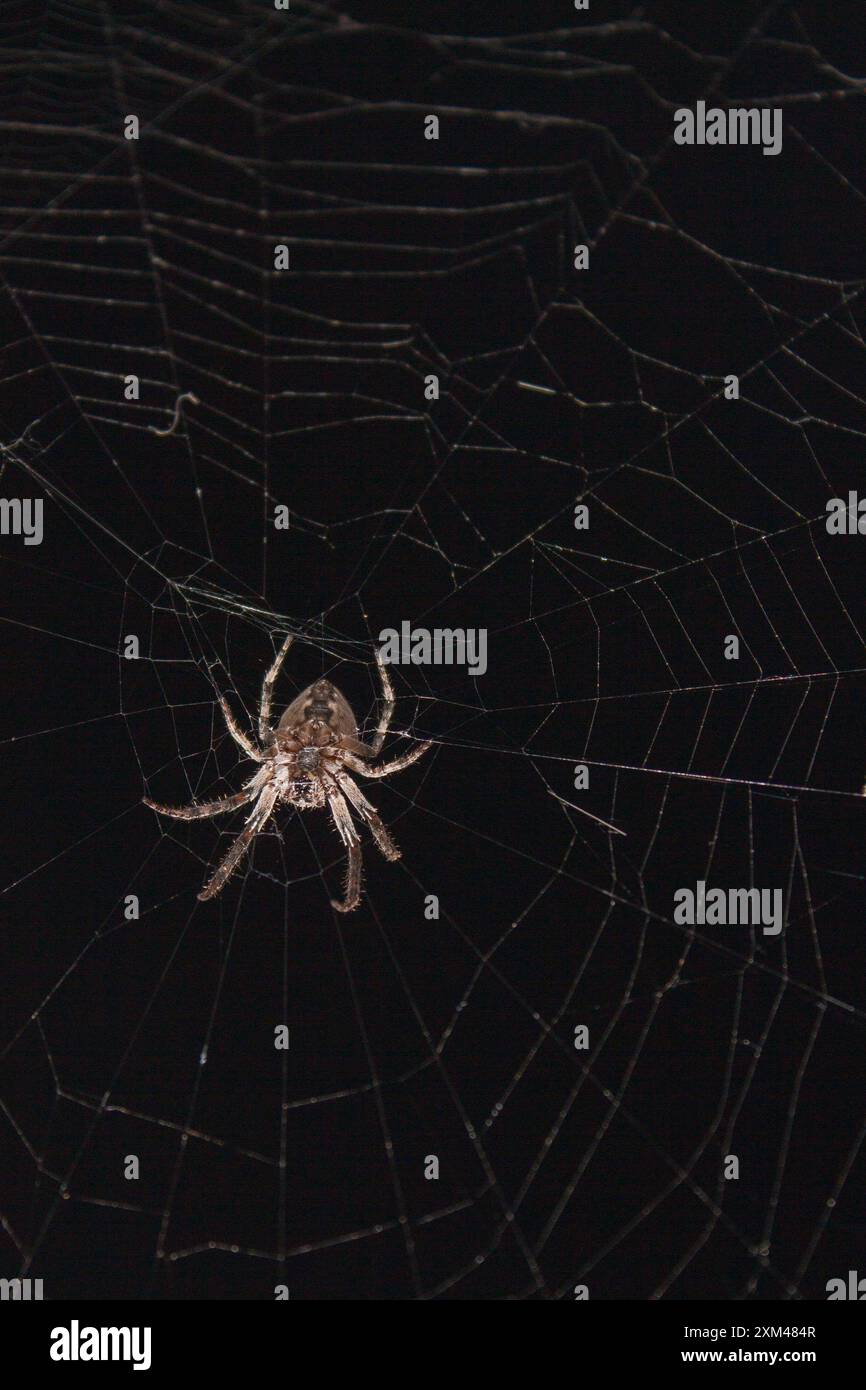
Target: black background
pixel 412 1037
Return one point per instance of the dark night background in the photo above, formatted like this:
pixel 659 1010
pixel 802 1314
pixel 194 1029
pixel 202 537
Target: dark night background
pixel 453 1037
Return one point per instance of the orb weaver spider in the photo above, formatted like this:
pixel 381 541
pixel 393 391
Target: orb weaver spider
pixel 304 761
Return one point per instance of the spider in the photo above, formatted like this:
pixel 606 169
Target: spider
pixel 304 761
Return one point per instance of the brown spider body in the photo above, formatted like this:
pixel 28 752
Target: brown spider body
pixel 304 762
pixel 308 744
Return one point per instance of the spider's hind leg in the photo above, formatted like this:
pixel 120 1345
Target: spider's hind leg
pixel 353 880
pixel 349 835
pixel 382 836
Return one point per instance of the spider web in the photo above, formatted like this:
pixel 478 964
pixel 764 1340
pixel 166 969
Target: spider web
pixel 414 1036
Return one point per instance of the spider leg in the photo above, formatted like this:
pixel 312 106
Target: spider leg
pixel 349 835
pixel 371 816
pixel 237 733
pixel 199 809
pixel 374 748
pixel 340 811
pixel 268 689
pixel 353 882
pixel 395 765
pixel 263 808
pixel 387 708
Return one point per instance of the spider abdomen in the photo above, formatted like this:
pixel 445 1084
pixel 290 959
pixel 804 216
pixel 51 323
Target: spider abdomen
pixel 321 703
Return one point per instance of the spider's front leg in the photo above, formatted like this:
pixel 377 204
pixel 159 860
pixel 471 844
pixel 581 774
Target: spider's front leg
pixel 387 708
pixel 268 689
pixel 237 733
pixel 356 746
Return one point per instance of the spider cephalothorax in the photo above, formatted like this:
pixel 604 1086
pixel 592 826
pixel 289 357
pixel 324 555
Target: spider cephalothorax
pixel 304 761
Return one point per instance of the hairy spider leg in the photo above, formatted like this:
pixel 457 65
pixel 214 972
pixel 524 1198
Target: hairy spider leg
pixel 371 816
pixel 396 764
pixel 268 689
pixel 387 708
pixel 353 881
pixel 349 835
pixel 260 813
pixel 241 739
pixel 199 809
pixel 374 748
